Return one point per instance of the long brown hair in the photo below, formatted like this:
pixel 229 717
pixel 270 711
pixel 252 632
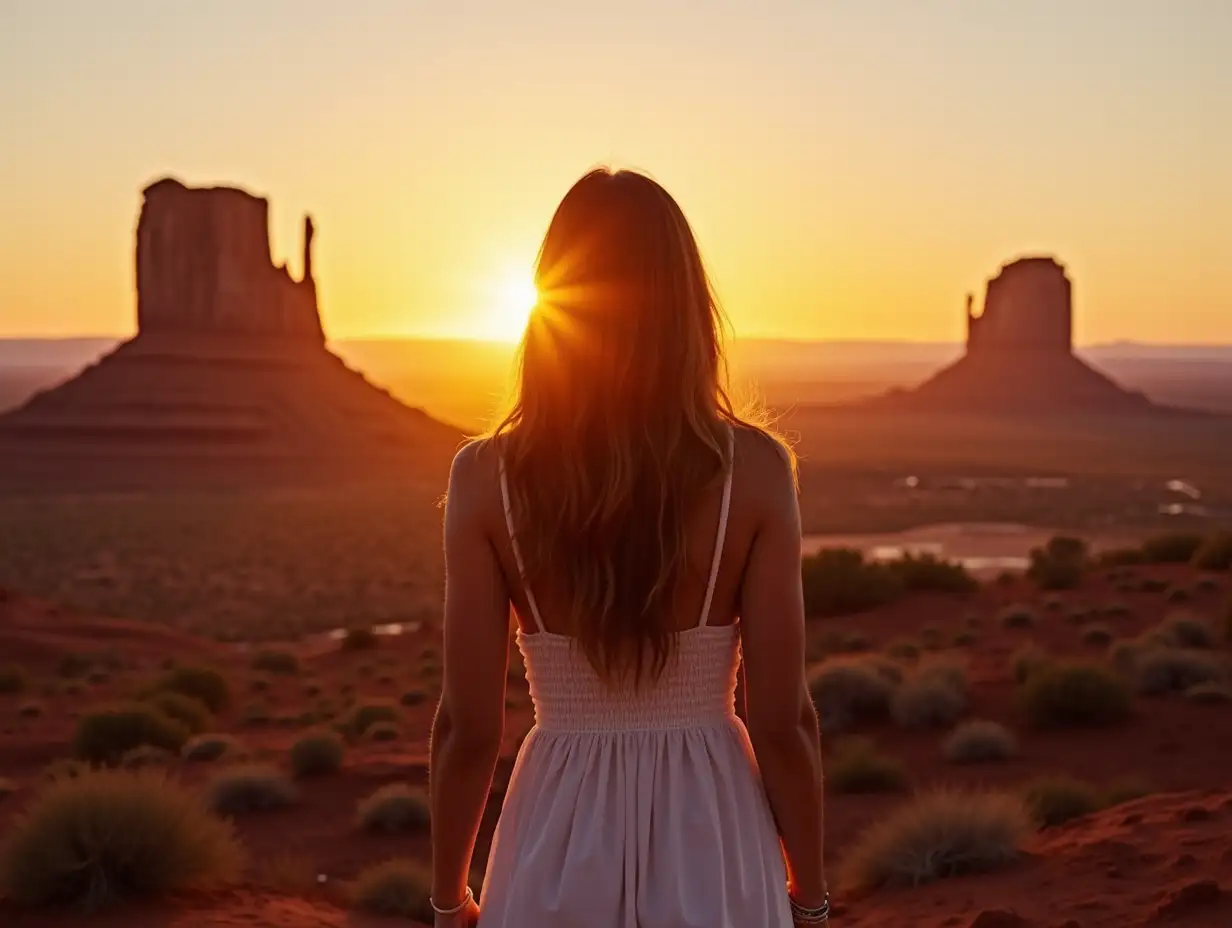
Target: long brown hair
pixel 620 417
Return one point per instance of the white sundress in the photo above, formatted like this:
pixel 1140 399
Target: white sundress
pixel 635 809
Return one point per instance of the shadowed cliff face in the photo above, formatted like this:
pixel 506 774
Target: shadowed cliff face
pixel 204 265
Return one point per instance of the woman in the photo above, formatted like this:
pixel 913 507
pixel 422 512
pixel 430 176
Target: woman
pixel 648 539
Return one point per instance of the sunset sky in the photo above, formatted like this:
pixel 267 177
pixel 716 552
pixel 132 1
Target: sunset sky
pixel 852 167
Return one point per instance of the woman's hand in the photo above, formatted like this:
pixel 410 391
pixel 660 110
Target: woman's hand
pixel 467 918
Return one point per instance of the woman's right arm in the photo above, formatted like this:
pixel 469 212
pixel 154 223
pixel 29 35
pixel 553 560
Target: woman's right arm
pixel 781 720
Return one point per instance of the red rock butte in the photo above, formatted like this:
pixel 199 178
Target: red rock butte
pixel 228 374
pixel 1020 355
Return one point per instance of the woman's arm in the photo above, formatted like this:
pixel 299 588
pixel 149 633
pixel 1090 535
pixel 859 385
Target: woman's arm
pixel 781 720
pixel 466 734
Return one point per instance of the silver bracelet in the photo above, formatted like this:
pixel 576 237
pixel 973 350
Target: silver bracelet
pixel 466 900
pixel 818 915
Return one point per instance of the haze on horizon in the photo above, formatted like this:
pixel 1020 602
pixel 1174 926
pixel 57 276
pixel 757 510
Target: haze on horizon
pixel 852 167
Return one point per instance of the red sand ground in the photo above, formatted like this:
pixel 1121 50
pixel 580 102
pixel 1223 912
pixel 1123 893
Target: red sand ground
pixel 1162 860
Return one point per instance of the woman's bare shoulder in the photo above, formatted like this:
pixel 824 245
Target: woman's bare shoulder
pixel 763 461
pixel 474 475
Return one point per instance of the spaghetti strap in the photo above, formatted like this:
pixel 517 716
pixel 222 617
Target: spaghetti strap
pixel 721 535
pixel 517 552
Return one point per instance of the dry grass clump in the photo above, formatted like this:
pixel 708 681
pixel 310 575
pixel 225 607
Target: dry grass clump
pixel 1018 616
pixel 1171 548
pixel 1215 553
pixel 857 767
pixel 1183 630
pixel 398 888
pixel 394 809
pixel 1210 693
pixel 848 691
pixel 1075 696
pixel 12 680
pixel 1158 671
pixel 935 696
pixel 106 735
pixel 208 686
pixel 186 710
pixel 114 835
pixel 1057 799
pixel 980 741
pixel 316 755
pixel 249 788
pixel 212 747
pixel 364 715
pixel 276 662
pixel 938 835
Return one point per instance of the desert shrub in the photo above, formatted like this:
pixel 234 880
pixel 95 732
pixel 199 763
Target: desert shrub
pixel 838 581
pixel 66 768
pixel 1126 653
pixel 394 809
pixel 1059 565
pixel 857 767
pixel 980 741
pixel 1158 671
pixel 384 731
pixel 903 649
pixel 1182 630
pixel 1018 616
pixel 1207 585
pixel 848 691
pixel 204 684
pixel 190 713
pixel 249 788
pixel 279 662
pixel 1097 635
pixel 209 748
pixel 30 709
pixel 1125 789
pixel 1215 552
pixel 316 754
pixel 1027 660
pixel 1117 611
pixel 360 638
pixel 938 835
pixel 1174 548
pixel 928 573
pixel 1121 557
pixel 260 685
pixel 1178 594
pixel 113 835
pixel 1153 585
pixel 146 756
pixel 12 681
pixel 1057 799
pixel 107 734
pixel 1078 616
pixel 396 888
pixel 413 698
pixel 965 639
pixel 935 696
pixel 1211 693
pixel 364 715
pixel 1075 696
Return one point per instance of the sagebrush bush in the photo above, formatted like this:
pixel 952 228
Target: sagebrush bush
pixel 146 756
pixel 364 715
pixel 980 741
pixel 1158 671
pixel 848 691
pixel 1215 552
pixel 105 735
pixel 1183 630
pixel 394 809
pixel 1174 548
pixel 903 649
pixel 1075 696
pixel 935 696
pixel 113 835
pixel 398 888
pixel 207 685
pixel 1017 617
pixel 186 710
pixel 413 698
pixel 1057 799
pixel 1059 565
pixel 360 638
pixel 1178 594
pixel 30 709
pixel 938 835
pixel 929 573
pixel 249 788
pixel 12 681
pixel 316 754
pixel 384 731
pixel 278 662
pixel 1121 557
pixel 212 747
pixel 838 581
pixel 855 766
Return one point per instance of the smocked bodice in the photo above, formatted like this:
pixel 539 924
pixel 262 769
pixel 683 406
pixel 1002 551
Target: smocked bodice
pixel 697 687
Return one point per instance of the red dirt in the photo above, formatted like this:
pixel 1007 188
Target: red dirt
pixel 1163 860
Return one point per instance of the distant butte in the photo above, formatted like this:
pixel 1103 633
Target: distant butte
pixel 228 376
pixel 1020 355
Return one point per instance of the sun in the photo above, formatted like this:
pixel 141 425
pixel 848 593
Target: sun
pixel 513 300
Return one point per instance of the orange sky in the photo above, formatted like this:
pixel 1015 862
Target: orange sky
pixel 852 168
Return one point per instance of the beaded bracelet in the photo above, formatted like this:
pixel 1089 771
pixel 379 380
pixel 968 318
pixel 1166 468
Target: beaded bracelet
pixel 466 900
pixel 818 915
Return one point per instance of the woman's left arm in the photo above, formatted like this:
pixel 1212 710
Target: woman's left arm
pixel 466 734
